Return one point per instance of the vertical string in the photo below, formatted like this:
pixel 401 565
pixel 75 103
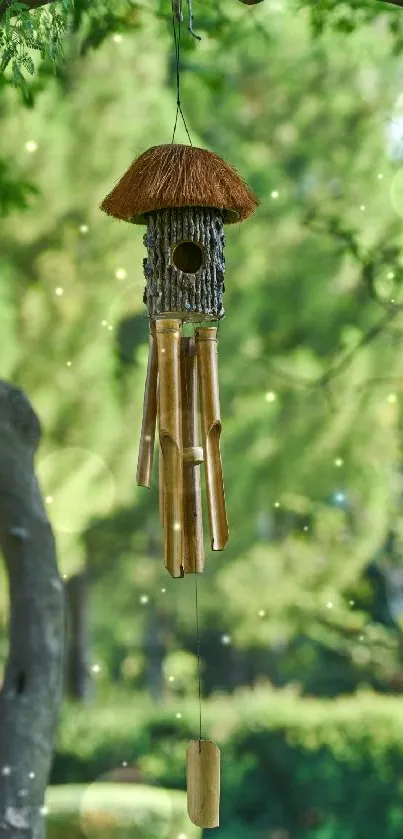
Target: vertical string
pixel 176 26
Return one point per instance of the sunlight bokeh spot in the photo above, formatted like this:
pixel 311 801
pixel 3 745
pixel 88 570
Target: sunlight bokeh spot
pixel 116 805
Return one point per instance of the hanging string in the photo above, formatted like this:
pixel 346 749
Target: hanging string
pixel 176 25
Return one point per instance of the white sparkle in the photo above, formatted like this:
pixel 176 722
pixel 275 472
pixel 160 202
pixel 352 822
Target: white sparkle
pixel 68 364
pixel 261 613
pixel 379 176
pixel 110 328
pixel 179 715
pixel 64 576
pixel 121 274
pixel 274 194
pixel 390 275
pixel 277 504
pixel 163 590
pixel 117 38
pixel 306 527
pixel 104 323
pixel 351 602
pixel 44 811
pixel 182 836
pixel 31 775
pixel 338 461
pixel 49 499
pixel 83 228
pixel 329 604
pixel 177 526
pixel 171 678
pixel 59 291
pixel 144 599
pixel 31 146
pixel 6 770
pixel 270 396
pixel 96 668
pixel 124 763
pixel 392 398
pixel 147 437
pixel 362 207
pixel 225 639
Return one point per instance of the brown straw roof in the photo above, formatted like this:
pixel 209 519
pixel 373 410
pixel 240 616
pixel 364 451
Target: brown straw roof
pixel 175 175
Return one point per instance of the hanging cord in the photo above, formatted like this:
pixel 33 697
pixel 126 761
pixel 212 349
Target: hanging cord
pixel 176 25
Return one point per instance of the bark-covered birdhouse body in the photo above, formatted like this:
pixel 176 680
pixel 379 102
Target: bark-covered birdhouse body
pixel 184 195
pixel 185 265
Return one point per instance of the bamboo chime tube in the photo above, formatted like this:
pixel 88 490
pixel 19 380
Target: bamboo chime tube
pixel 203 783
pixel 192 457
pixel 146 449
pixel 170 434
pixel 206 347
pixel 161 479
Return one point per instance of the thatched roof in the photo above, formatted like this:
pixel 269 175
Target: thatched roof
pixel 175 175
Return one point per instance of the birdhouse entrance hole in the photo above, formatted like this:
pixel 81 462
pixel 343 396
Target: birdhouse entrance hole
pixel 188 257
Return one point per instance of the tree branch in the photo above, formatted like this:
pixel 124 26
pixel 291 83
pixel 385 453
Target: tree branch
pixel 392 2
pixel 32 4
pixel 32 688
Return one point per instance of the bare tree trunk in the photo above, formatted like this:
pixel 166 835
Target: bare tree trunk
pixel 32 688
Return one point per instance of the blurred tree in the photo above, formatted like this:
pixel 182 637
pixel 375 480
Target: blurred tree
pixel 310 390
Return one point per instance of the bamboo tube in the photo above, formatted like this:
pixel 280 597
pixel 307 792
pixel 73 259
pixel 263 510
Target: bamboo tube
pixel 203 783
pixel 170 434
pixel 146 448
pixel 192 506
pixel 206 347
pixel 161 490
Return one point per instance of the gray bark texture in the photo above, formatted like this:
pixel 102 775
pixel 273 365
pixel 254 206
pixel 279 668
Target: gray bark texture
pixel 32 688
pixel 170 292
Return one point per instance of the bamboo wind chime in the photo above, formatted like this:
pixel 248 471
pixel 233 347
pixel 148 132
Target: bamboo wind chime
pixel 184 195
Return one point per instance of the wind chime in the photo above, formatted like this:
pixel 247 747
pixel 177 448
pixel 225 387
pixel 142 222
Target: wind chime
pixel 184 195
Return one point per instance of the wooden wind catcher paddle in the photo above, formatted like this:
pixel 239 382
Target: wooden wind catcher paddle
pixel 184 195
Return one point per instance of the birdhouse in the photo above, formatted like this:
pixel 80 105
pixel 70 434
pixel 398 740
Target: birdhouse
pixel 184 195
